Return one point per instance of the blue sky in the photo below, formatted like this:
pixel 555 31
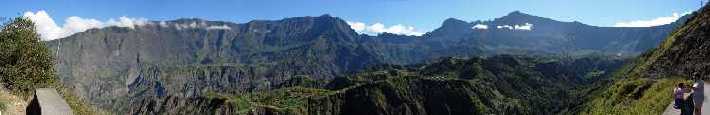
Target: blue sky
pixel 423 15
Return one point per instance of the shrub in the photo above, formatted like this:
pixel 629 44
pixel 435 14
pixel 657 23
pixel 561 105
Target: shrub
pixel 25 62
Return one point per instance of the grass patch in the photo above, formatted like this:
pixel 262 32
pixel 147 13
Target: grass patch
pixel 285 100
pixel 4 103
pixel 634 97
pixel 79 106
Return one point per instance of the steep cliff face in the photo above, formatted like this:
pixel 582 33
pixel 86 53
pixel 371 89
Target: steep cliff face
pixel 172 105
pixel 113 67
pixel 495 85
pixel 102 63
pixel 194 81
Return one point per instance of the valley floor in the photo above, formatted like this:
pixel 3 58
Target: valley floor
pixel 706 104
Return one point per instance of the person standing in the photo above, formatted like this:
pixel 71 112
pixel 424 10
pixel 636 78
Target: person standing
pixel 686 107
pixel 678 95
pixel 698 95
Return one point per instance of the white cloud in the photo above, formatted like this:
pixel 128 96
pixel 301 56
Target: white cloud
pixel 505 27
pixel 163 24
pixel 181 26
pixel 377 28
pixel 479 27
pixel 526 26
pixel 76 24
pixel 45 25
pixel 194 25
pixel 222 27
pixel 653 22
pixel 49 30
pixel 357 26
pixel 127 22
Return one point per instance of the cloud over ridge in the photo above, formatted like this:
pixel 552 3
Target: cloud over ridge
pixel 480 27
pixel 49 30
pixel 378 28
pixel 653 22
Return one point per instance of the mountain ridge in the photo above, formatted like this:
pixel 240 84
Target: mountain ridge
pixel 114 67
pixel 447 21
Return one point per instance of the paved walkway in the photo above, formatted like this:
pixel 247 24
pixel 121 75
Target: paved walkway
pixel 48 101
pixel 706 104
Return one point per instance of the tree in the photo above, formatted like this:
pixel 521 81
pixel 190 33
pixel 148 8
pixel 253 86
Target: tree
pixel 25 62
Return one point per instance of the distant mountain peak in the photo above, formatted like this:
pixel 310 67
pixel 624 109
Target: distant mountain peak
pixel 189 20
pixel 517 17
pixel 453 22
pixel 326 16
pixel 518 13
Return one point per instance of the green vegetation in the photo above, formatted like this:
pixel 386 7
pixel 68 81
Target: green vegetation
pixel 633 97
pixel 26 64
pixel 79 106
pixel 307 51
pixel 494 85
pixel 4 103
pixel 645 86
pixel 632 92
pixel 286 100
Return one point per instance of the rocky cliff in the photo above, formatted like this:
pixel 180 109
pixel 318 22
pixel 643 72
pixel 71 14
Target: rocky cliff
pixel 116 67
pixel 500 84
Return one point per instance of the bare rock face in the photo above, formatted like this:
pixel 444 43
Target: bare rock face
pixel 172 105
pixel 105 65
